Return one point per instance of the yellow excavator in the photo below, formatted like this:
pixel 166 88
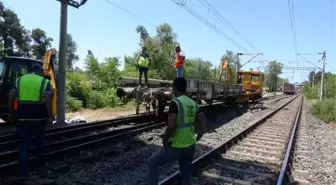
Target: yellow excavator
pixel 12 67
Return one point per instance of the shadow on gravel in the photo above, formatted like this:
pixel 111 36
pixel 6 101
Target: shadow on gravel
pixel 220 168
pixel 222 115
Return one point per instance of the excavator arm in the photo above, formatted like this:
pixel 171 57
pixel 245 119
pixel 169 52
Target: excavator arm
pixel 49 73
pixel 226 71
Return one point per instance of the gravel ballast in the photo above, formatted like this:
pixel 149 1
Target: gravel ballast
pixel 125 162
pixel 315 149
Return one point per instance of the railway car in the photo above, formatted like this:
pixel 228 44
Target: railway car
pixel 159 92
pixel 288 88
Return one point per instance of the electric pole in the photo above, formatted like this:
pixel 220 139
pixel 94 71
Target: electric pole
pixel 322 77
pixel 62 57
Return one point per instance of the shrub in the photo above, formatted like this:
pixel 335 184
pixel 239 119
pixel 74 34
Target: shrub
pixel 325 110
pixel 312 92
pixel 112 99
pixel 73 104
pixel 97 99
pixel 77 87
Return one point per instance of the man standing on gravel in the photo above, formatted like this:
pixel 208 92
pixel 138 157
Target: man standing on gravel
pixel 179 140
pixel 34 109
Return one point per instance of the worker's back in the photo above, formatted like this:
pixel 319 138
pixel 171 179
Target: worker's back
pixel 179 59
pixel 184 135
pixel 31 88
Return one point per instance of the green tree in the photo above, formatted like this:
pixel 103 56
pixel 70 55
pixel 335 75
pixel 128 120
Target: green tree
pixel 11 31
pixel 110 73
pixel 272 72
pixel 41 43
pixel 71 56
pixel 93 70
pixel 160 48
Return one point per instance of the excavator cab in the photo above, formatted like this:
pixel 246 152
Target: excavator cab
pixel 13 67
pixel 10 69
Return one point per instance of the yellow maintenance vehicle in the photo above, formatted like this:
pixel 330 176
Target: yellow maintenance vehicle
pixel 252 80
pixel 13 67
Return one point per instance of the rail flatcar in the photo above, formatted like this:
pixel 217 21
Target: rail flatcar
pixel 288 88
pixel 159 92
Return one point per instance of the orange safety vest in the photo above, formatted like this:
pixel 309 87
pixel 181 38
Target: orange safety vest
pixel 179 60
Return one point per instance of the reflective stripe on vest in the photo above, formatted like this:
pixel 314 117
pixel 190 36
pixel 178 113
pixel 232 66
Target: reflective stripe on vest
pixel 143 61
pixel 31 89
pixel 184 135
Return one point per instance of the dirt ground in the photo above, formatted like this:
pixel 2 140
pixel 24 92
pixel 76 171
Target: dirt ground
pixel 102 114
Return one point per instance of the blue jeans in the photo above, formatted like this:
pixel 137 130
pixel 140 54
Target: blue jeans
pixel 179 71
pixel 27 130
pixel 169 154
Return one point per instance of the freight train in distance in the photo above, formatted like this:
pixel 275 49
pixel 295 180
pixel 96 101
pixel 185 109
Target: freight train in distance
pixel 249 87
pixel 288 88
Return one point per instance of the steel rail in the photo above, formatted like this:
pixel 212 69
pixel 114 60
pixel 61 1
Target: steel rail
pixel 90 141
pixel 16 136
pixel 56 149
pixel 13 136
pixel 283 176
pixel 57 135
pixel 221 148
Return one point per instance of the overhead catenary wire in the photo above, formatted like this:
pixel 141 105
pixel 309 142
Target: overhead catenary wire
pixel 206 4
pixel 121 8
pixel 143 19
pixel 182 4
pixel 293 26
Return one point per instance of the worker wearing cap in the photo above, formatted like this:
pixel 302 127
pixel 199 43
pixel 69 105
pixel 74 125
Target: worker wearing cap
pixel 179 61
pixel 179 140
pixel 143 62
pixel 34 109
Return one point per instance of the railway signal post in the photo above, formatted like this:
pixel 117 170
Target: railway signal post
pixel 62 57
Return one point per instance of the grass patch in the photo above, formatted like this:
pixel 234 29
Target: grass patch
pixel 325 110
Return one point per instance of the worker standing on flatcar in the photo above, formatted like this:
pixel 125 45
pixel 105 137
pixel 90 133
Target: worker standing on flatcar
pixel 179 61
pixel 34 110
pixel 143 62
pixel 179 140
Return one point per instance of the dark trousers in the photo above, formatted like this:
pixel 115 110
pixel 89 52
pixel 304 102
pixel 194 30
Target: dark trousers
pixel 27 130
pixel 170 154
pixel 143 70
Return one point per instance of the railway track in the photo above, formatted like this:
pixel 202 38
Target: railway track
pixel 258 155
pixel 64 140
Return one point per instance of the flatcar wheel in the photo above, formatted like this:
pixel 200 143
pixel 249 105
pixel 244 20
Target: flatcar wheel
pixel 157 105
pixel 137 100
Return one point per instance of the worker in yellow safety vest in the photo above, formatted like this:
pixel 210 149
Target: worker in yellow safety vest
pixel 33 110
pixel 143 62
pixel 179 140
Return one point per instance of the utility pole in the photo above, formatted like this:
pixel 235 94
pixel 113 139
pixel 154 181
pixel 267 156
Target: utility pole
pixel 62 57
pixel 322 77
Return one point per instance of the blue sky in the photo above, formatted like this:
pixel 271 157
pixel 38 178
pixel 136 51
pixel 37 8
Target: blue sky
pixel 109 31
